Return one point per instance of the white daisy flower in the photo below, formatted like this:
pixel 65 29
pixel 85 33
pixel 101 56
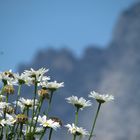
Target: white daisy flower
pixel 28 102
pixel 23 78
pixel 75 130
pixel 38 129
pixel 12 82
pixel 3 105
pixel 44 81
pixel 54 85
pixel 1 113
pixel 10 120
pixel 36 74
pixel 19 104
pixel 8 78
pixel 6 75
pixel 23 103
pixel 48 123
pixel 79 103
pixel 101 98
pixel 2 122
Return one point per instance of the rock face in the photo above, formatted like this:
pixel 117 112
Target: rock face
pixel 114 70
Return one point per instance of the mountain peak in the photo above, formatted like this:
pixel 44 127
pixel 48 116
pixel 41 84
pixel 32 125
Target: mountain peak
pixel 133 11
pixel 127 31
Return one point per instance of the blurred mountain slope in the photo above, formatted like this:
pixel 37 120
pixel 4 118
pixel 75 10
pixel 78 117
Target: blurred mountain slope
pixel 112 70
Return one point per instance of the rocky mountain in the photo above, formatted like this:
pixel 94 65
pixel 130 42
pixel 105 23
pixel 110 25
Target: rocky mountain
pixel 114 70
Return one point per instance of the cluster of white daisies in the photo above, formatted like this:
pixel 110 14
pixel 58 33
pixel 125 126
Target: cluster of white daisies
pixel 81 103
pixel 21 118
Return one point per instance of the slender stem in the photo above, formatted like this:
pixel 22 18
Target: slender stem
pixel 80 137
pixel 49 105
pixel 74 137
pixel 7 96
pixel 6 134
pixel 27 111
pixel 94 122
pixel 35 91
pixel 37 112
pixel 48 110
pixel 76 116
pixel 27 116
pixel 39 106
pixel 18 95
pixel 43 133
pixel 50 134
pixel 76 120
pixel 2 90
pixel 1 136
pixel 16 131
pixel 21 126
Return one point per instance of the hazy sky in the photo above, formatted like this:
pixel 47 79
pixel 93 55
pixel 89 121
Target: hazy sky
pixel 27 25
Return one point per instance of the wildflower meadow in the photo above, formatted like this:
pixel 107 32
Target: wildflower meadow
pixel 25 119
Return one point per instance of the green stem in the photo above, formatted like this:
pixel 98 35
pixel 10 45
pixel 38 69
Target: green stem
pixel 27 111
pixel 50 134
pixel 7 96
pixel 37 112
pixel 80 137
pixel 43 133
pixel 49 105
pixel 21 126
pixel 14 135
pixel 2 90
pixel 18 95
pixel 74 137
pixel 94 122
pixel 1 136
pixel 35 91
pixel 48 110
pixel 76 120
pixel 12 131
pixel 6 132
pixel 76 116
pixel 27 116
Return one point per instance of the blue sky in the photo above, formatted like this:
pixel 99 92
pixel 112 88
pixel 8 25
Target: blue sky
pixel 28 25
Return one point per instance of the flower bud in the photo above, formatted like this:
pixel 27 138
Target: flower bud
pixel 9 89
pixel 9 110
pixel 43 93
pixel 21 118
